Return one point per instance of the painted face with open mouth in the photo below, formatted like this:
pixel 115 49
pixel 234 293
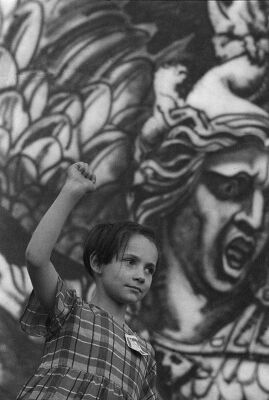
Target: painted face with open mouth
pixel 231 202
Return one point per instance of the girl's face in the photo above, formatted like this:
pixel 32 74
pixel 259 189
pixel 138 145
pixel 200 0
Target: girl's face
pixel 127 279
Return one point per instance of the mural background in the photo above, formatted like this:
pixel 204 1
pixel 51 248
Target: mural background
pixel 168 101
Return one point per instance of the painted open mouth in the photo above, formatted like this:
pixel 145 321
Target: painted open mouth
pixel 237 254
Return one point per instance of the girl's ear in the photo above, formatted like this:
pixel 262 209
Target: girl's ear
pixel 95 265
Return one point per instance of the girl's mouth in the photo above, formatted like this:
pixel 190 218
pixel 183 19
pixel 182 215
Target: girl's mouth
pixel 134 288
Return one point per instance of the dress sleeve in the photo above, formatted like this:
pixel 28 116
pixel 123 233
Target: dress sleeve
pixel 36 321
pixel 149 388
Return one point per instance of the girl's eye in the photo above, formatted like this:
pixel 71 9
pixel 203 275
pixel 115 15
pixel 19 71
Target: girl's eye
pixel 129 261
pixel 150 270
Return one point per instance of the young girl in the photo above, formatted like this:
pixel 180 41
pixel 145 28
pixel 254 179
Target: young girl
pixel 90 352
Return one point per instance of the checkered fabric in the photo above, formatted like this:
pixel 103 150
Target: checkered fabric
pixel 85 354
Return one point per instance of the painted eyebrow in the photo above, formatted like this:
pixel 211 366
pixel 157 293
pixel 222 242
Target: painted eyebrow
pixel 236 175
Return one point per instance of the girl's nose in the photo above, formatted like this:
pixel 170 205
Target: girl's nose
pixel 140 279
pixel 140 276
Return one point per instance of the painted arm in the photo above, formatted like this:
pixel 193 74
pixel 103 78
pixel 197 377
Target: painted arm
pixel 43 275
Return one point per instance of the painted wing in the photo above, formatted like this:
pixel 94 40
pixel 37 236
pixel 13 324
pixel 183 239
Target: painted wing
pixel 79 87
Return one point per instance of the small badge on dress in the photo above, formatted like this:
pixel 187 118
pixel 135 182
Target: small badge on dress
pixel 132 342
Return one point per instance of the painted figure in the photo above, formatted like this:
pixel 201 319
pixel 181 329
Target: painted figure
pixel 212 292
pixel 203 180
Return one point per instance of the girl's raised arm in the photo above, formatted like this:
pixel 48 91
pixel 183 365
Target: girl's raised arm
pixel 43 275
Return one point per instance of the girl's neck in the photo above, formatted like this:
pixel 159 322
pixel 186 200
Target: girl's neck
pixel 117 311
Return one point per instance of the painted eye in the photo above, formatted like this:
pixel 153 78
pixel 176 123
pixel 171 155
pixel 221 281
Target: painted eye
pixel 224 187
pixel 229 189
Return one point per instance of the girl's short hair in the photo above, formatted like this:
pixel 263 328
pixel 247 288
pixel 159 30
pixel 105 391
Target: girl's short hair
pixel 107 240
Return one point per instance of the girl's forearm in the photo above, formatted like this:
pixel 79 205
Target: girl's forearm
pixel 45 236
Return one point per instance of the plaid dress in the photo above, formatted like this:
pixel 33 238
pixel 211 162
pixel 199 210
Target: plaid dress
pixel 86 354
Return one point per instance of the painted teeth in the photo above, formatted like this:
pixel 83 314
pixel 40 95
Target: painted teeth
pixel 238 252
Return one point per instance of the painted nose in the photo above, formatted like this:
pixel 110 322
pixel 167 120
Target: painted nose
pixel 252 212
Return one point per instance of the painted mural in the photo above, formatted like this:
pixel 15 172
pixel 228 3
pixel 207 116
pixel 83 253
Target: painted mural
pixel 168 101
